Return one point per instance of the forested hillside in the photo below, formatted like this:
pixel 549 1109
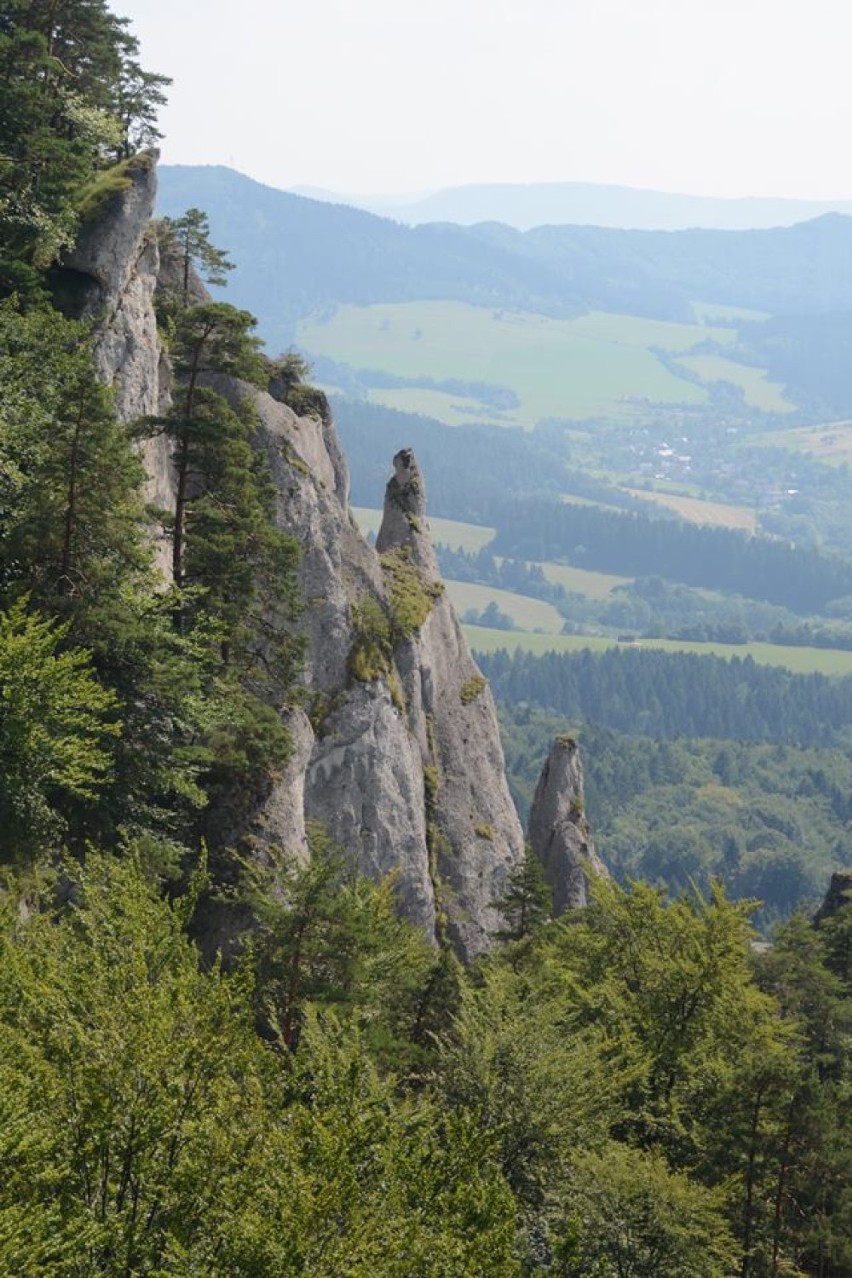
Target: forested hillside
pixel 771 820
pixel 322 1089
pixel 558 270
pixel 671 694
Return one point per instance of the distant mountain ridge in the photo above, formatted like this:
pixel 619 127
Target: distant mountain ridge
pixel 298 257
pixel 528 205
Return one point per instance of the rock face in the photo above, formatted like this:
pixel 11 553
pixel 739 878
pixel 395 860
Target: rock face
pixel 399 754
pixel 110 277
pixel 558 829
pixel 405 769
pixel 473 830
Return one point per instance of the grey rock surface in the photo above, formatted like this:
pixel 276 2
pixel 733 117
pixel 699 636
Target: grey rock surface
pixel 559 832
pixel 406 772
pixel 405 769
pixel 114 267
pixel 404 514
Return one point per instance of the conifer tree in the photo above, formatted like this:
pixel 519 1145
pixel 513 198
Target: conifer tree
pixel 188 237
pixel 526 901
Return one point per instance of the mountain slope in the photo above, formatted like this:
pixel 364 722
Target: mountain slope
pixel 299 257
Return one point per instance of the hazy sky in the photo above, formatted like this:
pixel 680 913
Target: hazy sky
pixel 713 97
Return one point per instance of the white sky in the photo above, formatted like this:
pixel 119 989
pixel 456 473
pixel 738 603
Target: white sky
pixel 711 97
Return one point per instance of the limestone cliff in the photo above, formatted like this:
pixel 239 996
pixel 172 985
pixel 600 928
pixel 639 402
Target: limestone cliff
pixel 398 754
pixel 404 768
pixel 559 832
pixel 110 277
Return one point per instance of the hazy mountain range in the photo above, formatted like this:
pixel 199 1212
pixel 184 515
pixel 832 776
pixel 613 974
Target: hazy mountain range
pixel 525 206
pixel 297 257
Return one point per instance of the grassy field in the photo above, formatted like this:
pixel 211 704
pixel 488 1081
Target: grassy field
pixel 445 532
pixel 758 390
pixel 596 365
pixel 595 585
pixel 528 614
pixel 701 512
pixel 453 410
pixel 828 661
pixel 717 313
pixel 830 442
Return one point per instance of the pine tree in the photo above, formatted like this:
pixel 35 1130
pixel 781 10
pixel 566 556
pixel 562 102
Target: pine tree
pixel 71 519
pixel 188 238
pixel 526 900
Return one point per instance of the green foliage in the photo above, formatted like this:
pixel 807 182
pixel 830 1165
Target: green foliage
pixel 330 938
pixel 526 901
pixel 640 1218
pixel 70 514
pixel 72 98
pixel 287 371
pixel 234 571
pixel 145 1128
pixel 409 596
pixel 95 196
pixel 372 647
pixel 474 686
pixel 770 821
pixel 140 1078
pixel 308 401
pixel 398 1117
pixel 187 239
pixel 56 726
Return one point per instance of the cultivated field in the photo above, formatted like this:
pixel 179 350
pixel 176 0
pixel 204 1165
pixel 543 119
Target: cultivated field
pixel 701 512
pixel 830 442
pixel 717 313
pixel 599 364
pixel 445 532
pixel 595 585
pixel 828 661
pixel 452 410
pixel 758 390
pixel 529 615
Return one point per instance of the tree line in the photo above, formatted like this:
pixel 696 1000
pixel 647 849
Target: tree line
pixel 649 692
pixel 634 544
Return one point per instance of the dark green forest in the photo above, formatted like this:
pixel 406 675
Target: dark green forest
pixel 631 1089
pixel 654 693
pixel 771 820
pixel 763 568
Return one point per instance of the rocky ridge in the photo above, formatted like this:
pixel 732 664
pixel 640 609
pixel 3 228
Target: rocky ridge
pixel 559 832
pixel 396 750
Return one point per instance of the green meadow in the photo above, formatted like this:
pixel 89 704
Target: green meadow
pixel 827 661
pixel 595 585
pixel 528 614
pixel 445 532
pixel 758 390
pixel 598 364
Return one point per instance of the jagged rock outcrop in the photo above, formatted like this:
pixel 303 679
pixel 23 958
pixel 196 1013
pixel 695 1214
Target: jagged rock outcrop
pixel 399 754
pixel 406 771
pixel 110 277
pixel 474 834
pixel 838 896
pixel 559 832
